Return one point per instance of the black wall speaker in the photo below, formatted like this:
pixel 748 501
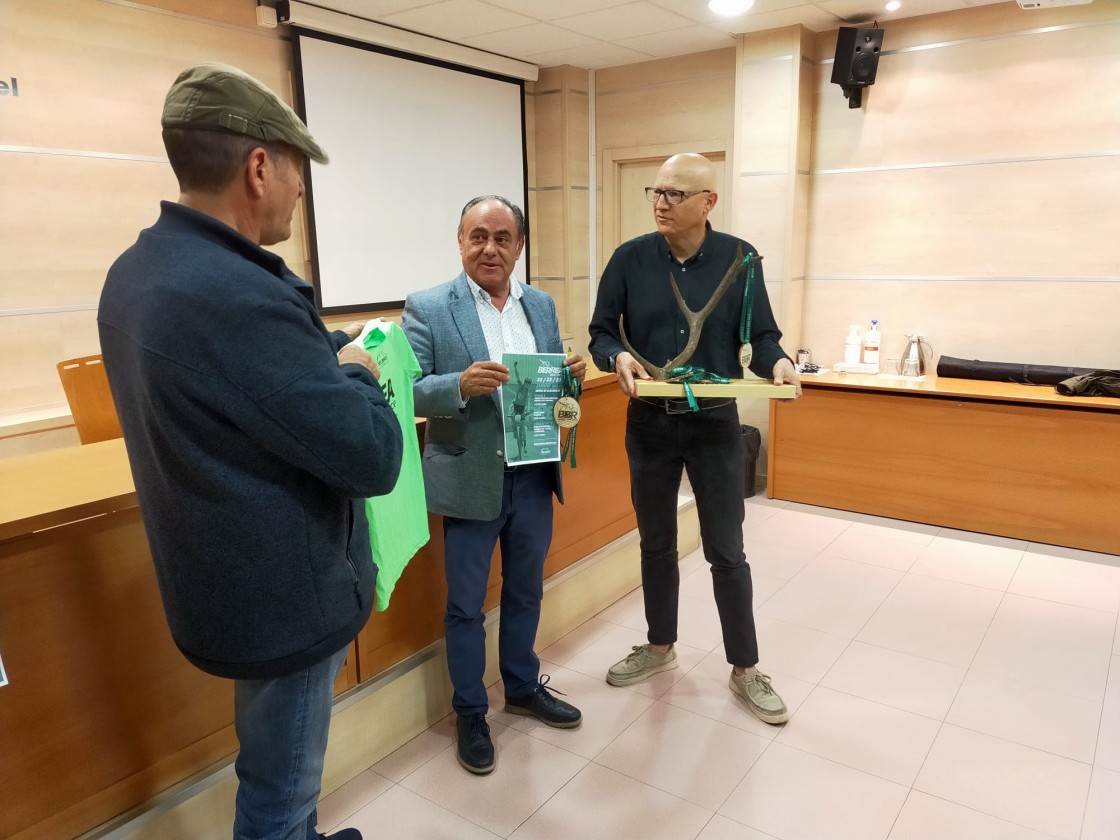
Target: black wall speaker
pixel 857 59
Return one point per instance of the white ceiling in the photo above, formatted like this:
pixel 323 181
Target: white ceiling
pixel 605 33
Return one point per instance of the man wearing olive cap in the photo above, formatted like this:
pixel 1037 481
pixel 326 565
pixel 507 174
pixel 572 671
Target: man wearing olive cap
pixel 254 436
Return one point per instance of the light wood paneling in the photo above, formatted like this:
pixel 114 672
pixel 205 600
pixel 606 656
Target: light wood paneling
pixel 1049 93
pixel 548 140
pixel 93 77
pixel 1048 218
pixel 768 110
pixel 1030 321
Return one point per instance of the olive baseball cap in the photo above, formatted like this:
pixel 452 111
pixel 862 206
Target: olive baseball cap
pixel 218 97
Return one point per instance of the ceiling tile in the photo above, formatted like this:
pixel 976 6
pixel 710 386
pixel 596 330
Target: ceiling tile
pixel 631 20
pixel 680 41
pixel 371 9
pixel 698 9
pixel 457 19
pixel 591 57
pixel 529 40
pixel 552 9
pixel 811 17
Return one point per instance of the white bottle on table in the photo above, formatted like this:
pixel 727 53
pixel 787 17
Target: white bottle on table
pixel 852 345
pixel 871 344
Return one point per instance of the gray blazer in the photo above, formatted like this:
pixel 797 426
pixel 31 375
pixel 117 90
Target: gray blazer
pixel 464 454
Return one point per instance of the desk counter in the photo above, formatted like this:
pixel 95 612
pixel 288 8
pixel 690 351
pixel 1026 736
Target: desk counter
pixel 998 458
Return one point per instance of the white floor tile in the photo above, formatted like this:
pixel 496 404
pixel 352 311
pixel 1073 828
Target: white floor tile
pixel 607 711
pixel 1064 668
pixel 1051 623
pixel 705 691
pixel 926 817
pixel 721 828
pixel 567 647
pixel 902 680
pixel 791 528
pixel 801 652
pixel 1015 783
pixel 1029 715
pixel 832 595
pixel 600 803
pixel 1102 814
pixel 419 751
pixel 896 529
pixel 793 795
pixel 934 619
pixel 335 809
pixel 990 563
pixel 527 773
pixel 1112 688
pixel 695 758
pixel 1068 581
pixel 624 609
pixel 874 547
pixel 411 815
pixel 877 739
pixel 1107 754
pixel 775 560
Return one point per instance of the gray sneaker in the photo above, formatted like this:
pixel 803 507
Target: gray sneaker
pixel 755 690
pixel 642 663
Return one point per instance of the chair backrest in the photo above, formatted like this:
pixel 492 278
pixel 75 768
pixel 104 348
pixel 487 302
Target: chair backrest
pixel 91 403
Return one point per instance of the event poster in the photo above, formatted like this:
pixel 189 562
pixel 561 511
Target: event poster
pixel 534 386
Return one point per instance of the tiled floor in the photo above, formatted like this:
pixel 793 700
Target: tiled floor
pixel 943 685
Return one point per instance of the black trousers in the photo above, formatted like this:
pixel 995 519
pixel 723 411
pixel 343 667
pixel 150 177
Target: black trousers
pixel 709 445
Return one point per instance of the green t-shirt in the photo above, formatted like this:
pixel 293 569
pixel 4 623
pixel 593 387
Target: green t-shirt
pixel 398 521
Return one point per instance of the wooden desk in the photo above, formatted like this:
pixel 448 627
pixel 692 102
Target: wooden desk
pixel 103 712
pixel 1014 460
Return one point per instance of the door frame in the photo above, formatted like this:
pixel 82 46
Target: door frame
pixel 614 159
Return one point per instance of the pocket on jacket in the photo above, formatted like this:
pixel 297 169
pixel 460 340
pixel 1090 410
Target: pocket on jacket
pixel 442 450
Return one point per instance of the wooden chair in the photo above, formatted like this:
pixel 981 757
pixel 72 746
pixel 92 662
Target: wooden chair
pixel 91 403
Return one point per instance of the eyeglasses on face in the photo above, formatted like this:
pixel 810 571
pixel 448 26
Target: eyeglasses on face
pixel 673 197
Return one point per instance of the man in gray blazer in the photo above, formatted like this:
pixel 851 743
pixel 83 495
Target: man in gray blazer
pixel 459 331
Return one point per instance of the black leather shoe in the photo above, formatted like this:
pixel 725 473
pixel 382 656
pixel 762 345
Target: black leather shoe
pixel 341 834
pixel 476 750
pixel 545 708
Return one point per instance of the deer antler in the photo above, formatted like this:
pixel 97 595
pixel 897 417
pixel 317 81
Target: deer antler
pixel 695 319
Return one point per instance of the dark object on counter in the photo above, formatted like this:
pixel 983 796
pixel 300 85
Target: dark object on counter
pixel 1007 371
pixel 1099 383
pixel 752 442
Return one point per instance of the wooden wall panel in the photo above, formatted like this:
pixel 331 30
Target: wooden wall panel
pixel 974 195
pixel 1047 218
pixel 93 76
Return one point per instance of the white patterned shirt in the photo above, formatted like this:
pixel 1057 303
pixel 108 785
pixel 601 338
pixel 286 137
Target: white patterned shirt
pixel 507 331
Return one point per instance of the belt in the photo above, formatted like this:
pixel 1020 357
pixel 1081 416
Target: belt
pixel 679 405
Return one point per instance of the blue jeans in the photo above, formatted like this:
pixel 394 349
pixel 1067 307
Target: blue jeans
pixel 709 445
pixel 282 725
pixel 524 530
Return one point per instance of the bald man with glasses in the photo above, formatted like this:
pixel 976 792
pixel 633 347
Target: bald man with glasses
pixel 666 436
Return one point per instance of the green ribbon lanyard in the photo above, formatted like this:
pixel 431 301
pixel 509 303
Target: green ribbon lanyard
pixel 748 300
pixel 569 387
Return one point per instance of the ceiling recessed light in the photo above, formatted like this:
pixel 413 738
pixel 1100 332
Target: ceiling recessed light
pixel 894 5
pixel 730 8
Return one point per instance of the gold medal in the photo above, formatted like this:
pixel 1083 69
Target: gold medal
pixel 745 355
pixel 566 412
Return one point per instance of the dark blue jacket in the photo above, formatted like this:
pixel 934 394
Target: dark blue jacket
pixel 252 449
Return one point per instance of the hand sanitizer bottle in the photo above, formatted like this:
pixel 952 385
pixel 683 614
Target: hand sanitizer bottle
pixel 871 345
pixel 852 345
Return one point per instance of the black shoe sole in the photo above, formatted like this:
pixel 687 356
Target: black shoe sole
pixel 478 771
pixel 518 710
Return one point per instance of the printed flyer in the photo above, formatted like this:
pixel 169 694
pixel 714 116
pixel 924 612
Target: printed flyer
pixel 534 386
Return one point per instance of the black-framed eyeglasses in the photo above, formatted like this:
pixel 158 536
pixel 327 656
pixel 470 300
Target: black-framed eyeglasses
pixel 673 197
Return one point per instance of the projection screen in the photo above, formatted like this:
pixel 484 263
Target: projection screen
pixel 410 141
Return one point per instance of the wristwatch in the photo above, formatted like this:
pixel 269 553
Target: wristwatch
pixel 610 361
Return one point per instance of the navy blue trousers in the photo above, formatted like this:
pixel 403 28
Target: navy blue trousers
pixel 524 531
pixel 709 445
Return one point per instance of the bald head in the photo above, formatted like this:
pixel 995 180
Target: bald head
pixel 691 171
pixel 684 224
